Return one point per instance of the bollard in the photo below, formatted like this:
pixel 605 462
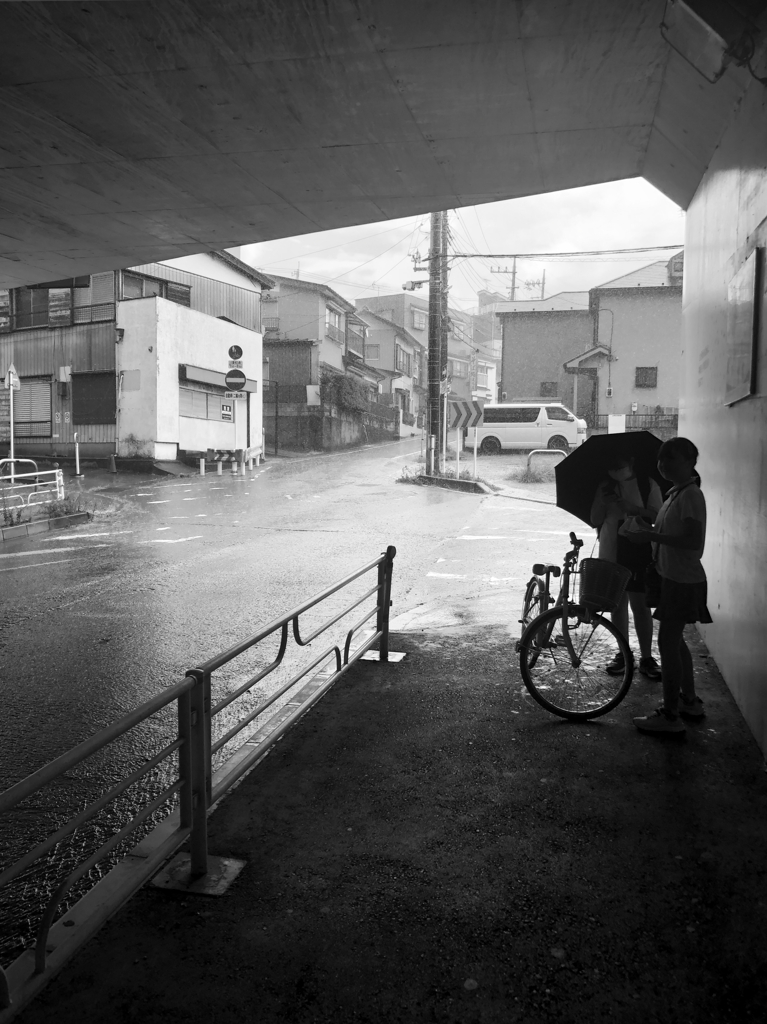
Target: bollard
pixel 219 468
pixel 234 469
pixel 112 464
pixel 202 467
pixel 78 474
pixel 250 463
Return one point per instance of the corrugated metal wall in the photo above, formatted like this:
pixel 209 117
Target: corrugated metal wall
pixel 216 298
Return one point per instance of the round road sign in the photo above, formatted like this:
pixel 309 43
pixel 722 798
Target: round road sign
pixel 235 380
pixel 235 352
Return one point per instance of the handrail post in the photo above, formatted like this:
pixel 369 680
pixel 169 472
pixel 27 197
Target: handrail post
pixel 385 568
pixel 200 771
pixel 186 802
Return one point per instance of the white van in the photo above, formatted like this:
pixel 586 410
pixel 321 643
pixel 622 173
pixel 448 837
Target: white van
pixel 529 424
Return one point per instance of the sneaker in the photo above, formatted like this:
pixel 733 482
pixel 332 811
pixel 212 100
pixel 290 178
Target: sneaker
pixel 660 722
pixel 616 667
pixel 650 668
pixel 691 707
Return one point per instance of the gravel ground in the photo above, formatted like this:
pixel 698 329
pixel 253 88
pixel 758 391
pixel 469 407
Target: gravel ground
pixel 429 845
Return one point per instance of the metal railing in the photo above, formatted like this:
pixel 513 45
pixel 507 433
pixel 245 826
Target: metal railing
pixel 334 333
pixel 195 748
pixel 544 451
pixel 355 342
pixel 21 490
pixel 64 317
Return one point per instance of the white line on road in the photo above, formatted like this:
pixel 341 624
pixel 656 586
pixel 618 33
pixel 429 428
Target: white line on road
pixel 179 517
pixel 190 499
pixel 180 540
pixel 160 501
pixel 160 528
pixel 50 551
pixel 499 536
pixel 143 494
pixel 83 536
pixel 35 565
pixel 447 575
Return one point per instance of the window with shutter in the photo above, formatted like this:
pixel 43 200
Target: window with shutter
pixel 93 398
pixel 32 408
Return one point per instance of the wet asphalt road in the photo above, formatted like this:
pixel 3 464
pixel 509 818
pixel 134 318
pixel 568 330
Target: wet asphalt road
pixel 99 617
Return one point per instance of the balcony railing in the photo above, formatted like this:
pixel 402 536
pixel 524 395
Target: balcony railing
pixel 271 323
pixel 355 342
pixel 98 313
pixel 334 333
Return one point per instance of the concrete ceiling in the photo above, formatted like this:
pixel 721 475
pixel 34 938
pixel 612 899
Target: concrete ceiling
pixel 133 131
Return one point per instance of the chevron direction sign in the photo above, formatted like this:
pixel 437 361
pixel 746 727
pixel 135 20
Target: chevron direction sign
pixel 465 413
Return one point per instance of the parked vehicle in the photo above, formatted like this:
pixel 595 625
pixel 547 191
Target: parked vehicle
pixel 529 425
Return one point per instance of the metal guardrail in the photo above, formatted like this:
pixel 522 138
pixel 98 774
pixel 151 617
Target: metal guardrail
pixel 544 451
pixel 64 317
pixel 194 746
pixel 22 490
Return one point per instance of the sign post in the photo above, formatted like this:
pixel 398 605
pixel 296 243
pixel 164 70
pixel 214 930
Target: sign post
pixel 466 414
pixel 12 383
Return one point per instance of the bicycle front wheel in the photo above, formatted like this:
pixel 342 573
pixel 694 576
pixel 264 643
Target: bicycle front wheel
pixel 576 688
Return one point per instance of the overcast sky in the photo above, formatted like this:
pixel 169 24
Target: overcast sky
pixel 375 259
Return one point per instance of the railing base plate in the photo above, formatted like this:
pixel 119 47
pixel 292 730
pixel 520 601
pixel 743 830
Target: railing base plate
pixel 376 656
pixel 177 874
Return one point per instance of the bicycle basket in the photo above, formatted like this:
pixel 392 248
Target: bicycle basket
pixel 602 584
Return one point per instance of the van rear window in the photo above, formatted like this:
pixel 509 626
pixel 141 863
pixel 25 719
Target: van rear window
pixel 524 414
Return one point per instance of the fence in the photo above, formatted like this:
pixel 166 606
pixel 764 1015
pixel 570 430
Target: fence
pixel 21 490
pixel 195 785
pixel 644 421
pixel 64 317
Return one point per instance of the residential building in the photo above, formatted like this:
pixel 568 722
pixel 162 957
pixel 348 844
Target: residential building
pixel 134 362
pixel 468 362
pixel 296 310
pixel 392 349
pixel 538 335
pixel 633 363
pixel 613 350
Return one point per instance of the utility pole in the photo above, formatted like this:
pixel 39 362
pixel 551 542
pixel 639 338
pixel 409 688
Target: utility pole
pixel 543 284
pixel 513 294
pixel 435 346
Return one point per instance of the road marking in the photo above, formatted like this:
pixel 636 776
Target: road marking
pixel 179 517
pixel 159 528
pixel 188 499
pixel 200 515
pixel 34 565
pixel 498 536
pixel 179 540
pixel 216 488
pixel 143 494
pixel 160 501
pixel 447 575
pixel 50 551
pixel 83 536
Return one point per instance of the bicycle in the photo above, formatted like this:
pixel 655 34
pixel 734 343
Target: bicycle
pixel 564 650
pixel 537 593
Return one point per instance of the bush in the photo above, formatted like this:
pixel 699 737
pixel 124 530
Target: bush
pixel 344 392
pixel 68 506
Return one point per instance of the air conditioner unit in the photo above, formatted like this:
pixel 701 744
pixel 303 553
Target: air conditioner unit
pixel 634 406
pixel 609 392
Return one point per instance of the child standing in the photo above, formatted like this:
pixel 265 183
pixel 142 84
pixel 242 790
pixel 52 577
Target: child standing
pixel 678 538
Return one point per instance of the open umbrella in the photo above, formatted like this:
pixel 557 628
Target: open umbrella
pixel 579 475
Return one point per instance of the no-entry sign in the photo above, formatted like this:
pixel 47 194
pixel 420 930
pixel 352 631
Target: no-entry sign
pixel 235 380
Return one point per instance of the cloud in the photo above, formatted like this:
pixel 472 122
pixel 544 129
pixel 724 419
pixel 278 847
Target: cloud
pixel 374 259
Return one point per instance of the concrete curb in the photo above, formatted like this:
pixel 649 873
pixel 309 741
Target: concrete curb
pixel 470 486
pixel 42 526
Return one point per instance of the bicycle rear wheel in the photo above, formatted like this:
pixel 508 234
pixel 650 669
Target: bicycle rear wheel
pixel 584 690
pixel 534 602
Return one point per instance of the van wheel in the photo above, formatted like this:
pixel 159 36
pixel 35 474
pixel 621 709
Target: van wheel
pixel 490 446
pixel 559 442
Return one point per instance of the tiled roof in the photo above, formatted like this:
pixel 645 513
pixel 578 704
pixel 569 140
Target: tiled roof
pixel 313 286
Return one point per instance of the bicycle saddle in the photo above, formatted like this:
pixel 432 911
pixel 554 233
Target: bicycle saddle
pixel 539 569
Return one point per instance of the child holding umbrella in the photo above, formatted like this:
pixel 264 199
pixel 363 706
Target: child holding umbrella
pixel 622 494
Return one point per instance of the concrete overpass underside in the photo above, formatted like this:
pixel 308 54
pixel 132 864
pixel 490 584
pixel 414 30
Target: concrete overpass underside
pixel 132 132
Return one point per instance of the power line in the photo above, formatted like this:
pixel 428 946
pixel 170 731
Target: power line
pixel 554 256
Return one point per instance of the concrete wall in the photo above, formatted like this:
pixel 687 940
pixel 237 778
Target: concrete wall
pixel 317 428
pixel 645 327
pixel 726 219
pixel 535 347
pixel 158 336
